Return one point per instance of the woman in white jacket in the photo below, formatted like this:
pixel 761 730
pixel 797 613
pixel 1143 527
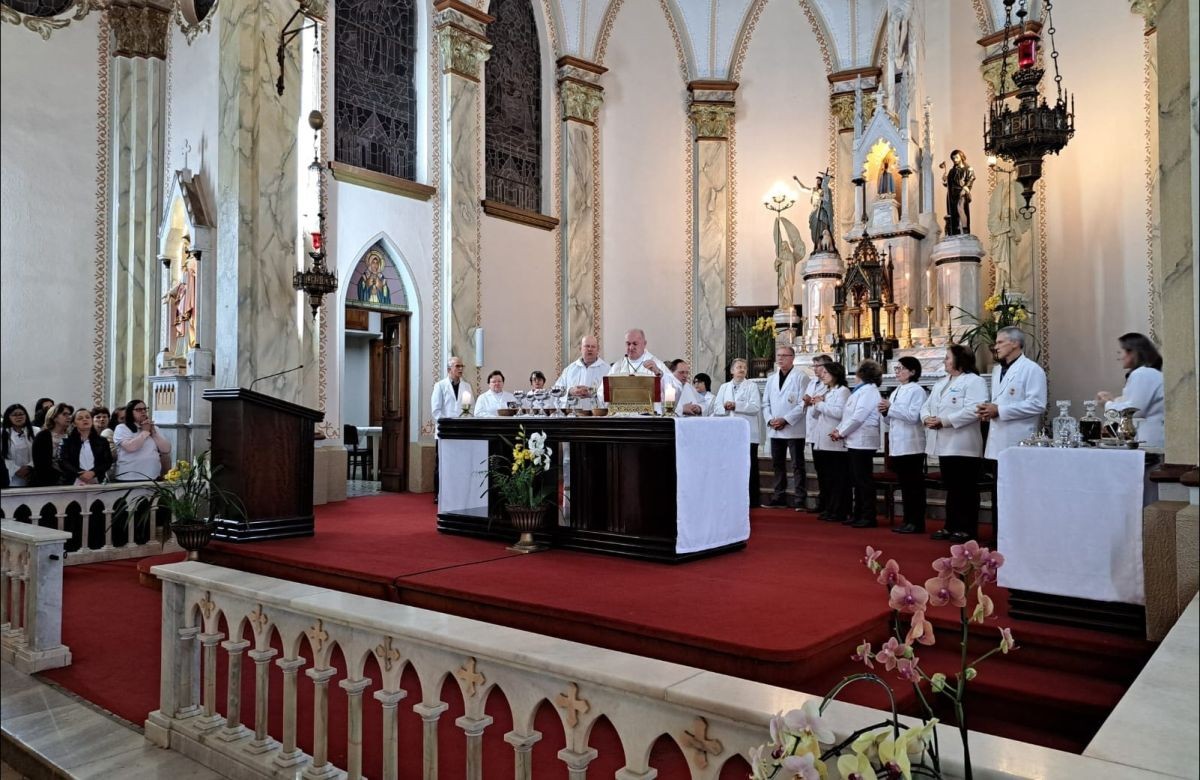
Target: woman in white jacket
pixel 1143 388
pixel 955 438
pixel 494 398
pixel 741 398
pixel 859 428
pixel 906 442
pixel 833 473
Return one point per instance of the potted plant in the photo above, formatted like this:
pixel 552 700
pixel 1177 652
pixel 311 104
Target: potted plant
pixel 193 498
pixel 1002 311
pixel 523 482
pixel 760 342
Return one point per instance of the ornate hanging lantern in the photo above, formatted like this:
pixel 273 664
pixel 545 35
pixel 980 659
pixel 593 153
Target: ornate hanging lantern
pixel 317 281
pixel 1027 133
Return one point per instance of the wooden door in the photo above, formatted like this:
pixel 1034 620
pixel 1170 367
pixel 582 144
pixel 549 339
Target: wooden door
pixel 375 392
pixel 393 447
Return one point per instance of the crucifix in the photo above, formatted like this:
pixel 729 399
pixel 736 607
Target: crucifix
pixel 187 149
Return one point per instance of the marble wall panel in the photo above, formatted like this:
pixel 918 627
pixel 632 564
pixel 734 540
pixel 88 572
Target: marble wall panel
pixel 261 326
pixel 712 256
pixel 579 265
pixel 462 196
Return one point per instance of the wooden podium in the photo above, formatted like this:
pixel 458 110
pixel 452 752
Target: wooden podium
pixel 264 447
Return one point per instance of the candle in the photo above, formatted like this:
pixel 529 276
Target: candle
pixel 669 396
pixel 465 397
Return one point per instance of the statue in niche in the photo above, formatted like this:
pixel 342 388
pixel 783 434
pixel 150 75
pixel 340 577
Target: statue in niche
pixel 182 302
pixel 886 185
pixel 1002 231
pixel 899 51
pixel 789 253
pixel 820 221
pixel 372 287
pixel 958 180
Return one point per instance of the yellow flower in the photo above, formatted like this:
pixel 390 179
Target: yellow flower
pixel 991 303
pixel 173 475
pixel 855 764
pixel 183 464
pixel 516 466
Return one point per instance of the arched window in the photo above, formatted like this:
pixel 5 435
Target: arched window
pixel 375 97
pixel 513 136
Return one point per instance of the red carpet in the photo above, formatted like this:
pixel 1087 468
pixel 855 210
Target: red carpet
pixel 787 610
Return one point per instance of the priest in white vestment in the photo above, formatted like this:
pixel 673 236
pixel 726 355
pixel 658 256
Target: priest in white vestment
pixel 583 379
pixel 1018 395
pixel 444 401
pixel 677 386
pixel 638 361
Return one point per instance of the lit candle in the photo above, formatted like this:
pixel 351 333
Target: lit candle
pixel 669 396
pixel 465 397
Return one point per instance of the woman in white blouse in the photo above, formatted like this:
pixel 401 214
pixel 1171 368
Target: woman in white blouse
pixel 955 439
pixel 18 433
pixel 833 471
pixel 741 398
pixel 906 442
pixel 494 397
pixel 139 445
pixel 859 428
pixel 1143 388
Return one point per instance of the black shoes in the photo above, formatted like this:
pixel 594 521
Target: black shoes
pixel 908 528
pixel 864 523
pixel 941 536
pixel 958 537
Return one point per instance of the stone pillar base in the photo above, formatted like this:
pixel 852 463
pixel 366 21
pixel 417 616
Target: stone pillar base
pixel 329 474
pixel 421 456
pixel 1170 562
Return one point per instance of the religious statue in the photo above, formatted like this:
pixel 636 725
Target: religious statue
pixel 789 252
pixel 820 221
pixel 899 42
pixel 958 181
pixel 1002 230
pixel 372 287
pixel 182 304
pixel 886 186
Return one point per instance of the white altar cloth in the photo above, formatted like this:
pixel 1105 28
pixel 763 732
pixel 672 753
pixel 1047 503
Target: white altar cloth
pixel 1071 522
pixel 712 468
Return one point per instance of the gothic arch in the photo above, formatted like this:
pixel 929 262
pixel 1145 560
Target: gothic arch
pixel 683 46
pixel 515 141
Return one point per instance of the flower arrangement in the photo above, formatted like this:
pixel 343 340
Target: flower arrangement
pixel 189 493
pixel 801 747
pixel 760 337
pixel 1003 312
pixel 520 478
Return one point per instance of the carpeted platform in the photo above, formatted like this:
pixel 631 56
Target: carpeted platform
pixel 788 610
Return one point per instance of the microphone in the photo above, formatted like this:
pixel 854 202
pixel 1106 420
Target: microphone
pixel 277 373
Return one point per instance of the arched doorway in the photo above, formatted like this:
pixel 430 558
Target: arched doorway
pixel 375 384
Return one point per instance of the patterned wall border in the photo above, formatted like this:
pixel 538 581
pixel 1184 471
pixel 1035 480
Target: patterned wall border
pixel 731 215
pixel 556 140
pixel 1150 107
pixel 597 244
pixel 1043 291
pixel 331 431
pixel 435 168
pixel 983 18
pixel 100 333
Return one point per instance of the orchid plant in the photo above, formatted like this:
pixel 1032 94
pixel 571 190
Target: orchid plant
pixel 802 746
pixel 521 478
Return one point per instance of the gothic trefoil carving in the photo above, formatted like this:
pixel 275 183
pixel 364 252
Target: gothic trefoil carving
pixel 712 120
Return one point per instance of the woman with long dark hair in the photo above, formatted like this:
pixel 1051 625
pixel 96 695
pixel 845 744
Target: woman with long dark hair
pixel 956 440
pixel 829 453
pixel 1143 388
pixel 139 445
pixel 859 428
pixel 18 433
pixel 40 409
pixel 47 446
pixel 86 457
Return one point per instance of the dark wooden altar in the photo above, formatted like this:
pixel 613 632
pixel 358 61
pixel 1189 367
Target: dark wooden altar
pixel 622 485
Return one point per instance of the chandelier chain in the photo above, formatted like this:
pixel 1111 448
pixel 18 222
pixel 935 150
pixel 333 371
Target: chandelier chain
pixel 1053 48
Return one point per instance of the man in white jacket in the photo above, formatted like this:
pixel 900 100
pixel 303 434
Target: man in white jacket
pixel 783 409
pixel 445 403
pixel 1018 395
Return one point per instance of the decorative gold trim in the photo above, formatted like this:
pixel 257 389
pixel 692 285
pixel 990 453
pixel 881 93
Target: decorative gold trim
pixel 742 43
pixel 731 232
pixel 818 31
pixel 1150 110
pixel 494 208
pixel 983 16
pixel 1043 292
pixel 100 349
pixel 435 167
pixel 606 25
pixel 711 120
pixel 580 101
pixel 331 431
pixel 45 25
pixel 352 174
pixel 556 140
pixel 597 246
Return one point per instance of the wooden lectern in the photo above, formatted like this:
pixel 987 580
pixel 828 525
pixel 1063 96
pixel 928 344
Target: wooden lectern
pixel 264 447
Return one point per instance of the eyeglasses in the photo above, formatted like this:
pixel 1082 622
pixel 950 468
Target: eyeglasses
pixel 139 408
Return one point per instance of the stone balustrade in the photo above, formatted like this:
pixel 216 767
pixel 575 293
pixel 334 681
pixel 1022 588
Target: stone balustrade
pixel 78 509
pixel 711 717
pixel 31 572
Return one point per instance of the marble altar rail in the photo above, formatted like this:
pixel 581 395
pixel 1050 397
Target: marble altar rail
pixel 31 570
pixel 711 717
pixel 54 504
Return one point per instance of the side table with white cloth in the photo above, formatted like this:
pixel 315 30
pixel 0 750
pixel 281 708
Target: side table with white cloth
pixel 1071 535
pixel 656 488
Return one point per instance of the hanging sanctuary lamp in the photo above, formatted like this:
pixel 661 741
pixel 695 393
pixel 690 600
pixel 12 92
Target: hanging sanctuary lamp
pixel 1024 135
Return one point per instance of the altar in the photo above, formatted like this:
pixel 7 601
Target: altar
pixel 657 488
pixel 1070 530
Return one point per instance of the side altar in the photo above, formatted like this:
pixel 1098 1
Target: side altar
pixel 656 488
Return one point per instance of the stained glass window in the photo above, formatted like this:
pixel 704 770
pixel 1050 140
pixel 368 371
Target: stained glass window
pixel 40 8
pixel 513 136
pixel 375 97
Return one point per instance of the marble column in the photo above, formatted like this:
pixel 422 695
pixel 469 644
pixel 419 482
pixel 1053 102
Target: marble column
pixel 388 700
pixel 430 713
pixel 210 720
pixel 712 115
pixel 234 730
pixel 262 742
pixel 473 728
pixel 320 767
pixel 1177 149
pixel 354 733
pixel 261 325
pixel 290 755
pixel 581 95
pixel 522 745
pixel 137 83
pixel 464 49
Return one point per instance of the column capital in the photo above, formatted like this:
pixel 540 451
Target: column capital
pixel 473 727
pixel 1148 10
pixel 356 687
pixel 262 656
pixel 578 759
pixel 841 105
pixel 290 665
pixel 234 646
pixel 139 31
pixel 711 120
pixel 320 676
pixel 462 38
pixel 389 698
pixel 581 100
pixel 523 743
pixel 712 91
pixel 430 712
